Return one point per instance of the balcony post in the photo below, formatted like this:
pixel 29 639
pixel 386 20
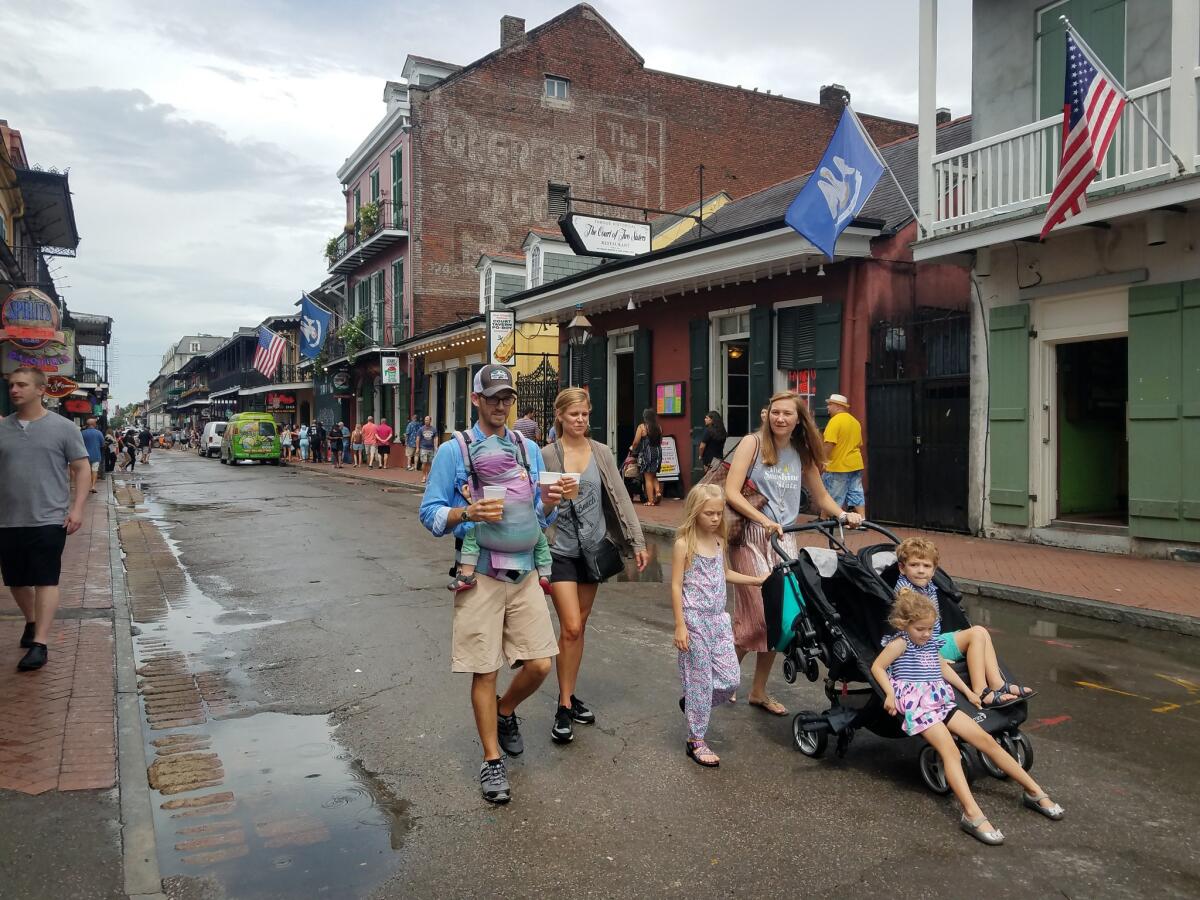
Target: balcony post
pixel 927 109
pixel 1185 24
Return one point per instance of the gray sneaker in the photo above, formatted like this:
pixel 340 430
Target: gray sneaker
pixel 508 731
pixel 493 781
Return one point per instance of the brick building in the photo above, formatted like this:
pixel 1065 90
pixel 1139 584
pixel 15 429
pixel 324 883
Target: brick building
pixel 469 159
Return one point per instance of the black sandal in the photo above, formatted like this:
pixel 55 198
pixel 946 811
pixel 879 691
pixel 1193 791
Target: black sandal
pixel 995 702
pixel 1019 691
pixel 698 749
pixel 461 583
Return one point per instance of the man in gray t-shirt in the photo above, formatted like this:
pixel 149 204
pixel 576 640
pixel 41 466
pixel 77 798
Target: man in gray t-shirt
pixel 37 513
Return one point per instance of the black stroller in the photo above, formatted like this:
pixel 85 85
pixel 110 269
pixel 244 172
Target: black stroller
pixel 829 607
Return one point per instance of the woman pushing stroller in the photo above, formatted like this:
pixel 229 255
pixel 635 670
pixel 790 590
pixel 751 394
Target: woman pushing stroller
pixel 919 684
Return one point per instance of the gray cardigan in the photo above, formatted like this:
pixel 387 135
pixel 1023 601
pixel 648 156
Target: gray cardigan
pixel 620 519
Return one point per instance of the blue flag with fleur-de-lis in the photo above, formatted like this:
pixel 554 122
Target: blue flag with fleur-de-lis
pixel 837 191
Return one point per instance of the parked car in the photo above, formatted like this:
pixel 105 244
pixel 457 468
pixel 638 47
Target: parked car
pixel 251 435
pixel 210 439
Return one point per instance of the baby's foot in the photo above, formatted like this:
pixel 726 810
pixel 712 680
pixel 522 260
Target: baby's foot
pixel 461 583
pixel 545 583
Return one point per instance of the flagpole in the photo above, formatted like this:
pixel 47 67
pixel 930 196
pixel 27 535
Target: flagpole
pixel 883 162
pixel 1094 58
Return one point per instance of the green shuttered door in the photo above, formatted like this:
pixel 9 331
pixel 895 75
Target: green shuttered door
pixel 699 362
pixel 1164 411
pixel 461 404
pixel 760 360
pixel 1008 414
pixel 597 350
pixel 828 348
pixel 642 372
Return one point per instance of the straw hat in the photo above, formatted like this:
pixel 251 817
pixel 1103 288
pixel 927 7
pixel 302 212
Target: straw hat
pixel 839 399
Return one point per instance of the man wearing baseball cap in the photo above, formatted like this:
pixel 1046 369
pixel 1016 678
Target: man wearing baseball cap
pixel 503 618
pixel 843 447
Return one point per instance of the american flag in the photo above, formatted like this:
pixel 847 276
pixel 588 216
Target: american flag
pixel 269 352
pixel 1091 110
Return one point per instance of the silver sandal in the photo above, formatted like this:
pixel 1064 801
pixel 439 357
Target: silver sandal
pixel 972 827
pixel 1034 802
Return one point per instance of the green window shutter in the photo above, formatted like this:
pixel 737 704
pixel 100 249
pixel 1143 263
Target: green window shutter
pixel 397 179
pixel 403 402
pixel 698 336
pixel 760 360
pixel 367 395
pixel 1164 411
pixel 827 355
pixel 460 399
pixel 597 350
pixel 796 337
pixel 375 186
pixel 642 372
pixel 399 322
pixel 420 389
pixel 357 202
pixel 1102 24
pixel 564 365
pixel 377 312
pixel 1008 414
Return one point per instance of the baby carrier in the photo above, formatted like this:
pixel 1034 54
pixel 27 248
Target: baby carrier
pixel 489 465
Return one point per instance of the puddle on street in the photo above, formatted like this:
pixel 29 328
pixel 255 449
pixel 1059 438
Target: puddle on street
pixel 292 815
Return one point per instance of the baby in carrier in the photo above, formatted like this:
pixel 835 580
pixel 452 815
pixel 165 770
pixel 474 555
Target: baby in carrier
pixel 492 543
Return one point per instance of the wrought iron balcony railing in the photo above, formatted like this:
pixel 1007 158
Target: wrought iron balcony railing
pixel 390 220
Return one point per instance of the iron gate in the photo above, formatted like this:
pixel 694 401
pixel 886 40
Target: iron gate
pixel 918 420
pixel 537 389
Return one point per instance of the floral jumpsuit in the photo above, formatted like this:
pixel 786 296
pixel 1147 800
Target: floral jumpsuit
pixel 709 668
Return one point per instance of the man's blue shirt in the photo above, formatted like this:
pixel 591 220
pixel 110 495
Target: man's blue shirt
pixel 94 441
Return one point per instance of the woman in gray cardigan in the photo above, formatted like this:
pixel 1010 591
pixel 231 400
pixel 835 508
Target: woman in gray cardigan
pixel 599 506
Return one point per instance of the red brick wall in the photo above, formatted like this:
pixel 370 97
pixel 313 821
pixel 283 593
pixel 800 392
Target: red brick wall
pixel 486 143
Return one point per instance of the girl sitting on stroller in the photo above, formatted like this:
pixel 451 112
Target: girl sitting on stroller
pixel 914 676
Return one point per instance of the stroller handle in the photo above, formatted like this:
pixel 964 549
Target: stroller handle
pixel 825 527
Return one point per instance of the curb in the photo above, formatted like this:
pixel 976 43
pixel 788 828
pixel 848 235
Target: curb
pixel 139 845
pixel 365 479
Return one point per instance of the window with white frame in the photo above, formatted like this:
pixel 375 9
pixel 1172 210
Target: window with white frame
pixel 557 88
pixel 535 266
pixel 194 347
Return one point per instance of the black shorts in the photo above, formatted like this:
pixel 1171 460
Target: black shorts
pixel 32 556
pixel 383 449
pixel 569 568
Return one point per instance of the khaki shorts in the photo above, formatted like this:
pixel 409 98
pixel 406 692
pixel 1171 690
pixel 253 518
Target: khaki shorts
pixel 499 620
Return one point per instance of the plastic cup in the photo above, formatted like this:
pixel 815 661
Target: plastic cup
pixel 549 477
pixel 494 492
pixel 574 476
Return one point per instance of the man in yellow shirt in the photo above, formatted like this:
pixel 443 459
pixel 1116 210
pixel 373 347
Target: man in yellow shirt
pixel 843 447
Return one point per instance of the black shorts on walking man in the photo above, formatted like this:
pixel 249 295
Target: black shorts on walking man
pixel 37 448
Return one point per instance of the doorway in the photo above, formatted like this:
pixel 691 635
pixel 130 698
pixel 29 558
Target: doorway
pixel 628 417
pixel 735 387
pixel 1092 447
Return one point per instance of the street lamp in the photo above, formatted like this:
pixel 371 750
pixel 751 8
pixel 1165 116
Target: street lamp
pixel 578 334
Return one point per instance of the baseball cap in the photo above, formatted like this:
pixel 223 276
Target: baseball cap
pixel 492 380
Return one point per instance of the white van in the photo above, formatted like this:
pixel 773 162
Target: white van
pixel 210 439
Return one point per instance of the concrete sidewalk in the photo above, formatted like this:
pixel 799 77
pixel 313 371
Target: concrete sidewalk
pixel 1151 593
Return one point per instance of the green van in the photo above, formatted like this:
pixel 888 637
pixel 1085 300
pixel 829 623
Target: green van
pixel 251 435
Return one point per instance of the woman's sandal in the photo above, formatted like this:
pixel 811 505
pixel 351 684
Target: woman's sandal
pixel 700 753
pixel 974 827
pixel 461 583
pixel 1034 802
pixel 770 705
pixel 995 702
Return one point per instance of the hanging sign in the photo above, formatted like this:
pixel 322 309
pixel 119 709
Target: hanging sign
pixel 29 319
pixel 502 336
pixel 76 405
pixel 281 401
pixel 53 357
pixel 391 369
pixel 59 386
pixel 343 385
pixel 611 238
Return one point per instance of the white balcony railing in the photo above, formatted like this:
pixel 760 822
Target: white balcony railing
pixel 1015 171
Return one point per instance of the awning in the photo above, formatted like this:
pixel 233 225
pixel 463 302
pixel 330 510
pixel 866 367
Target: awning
pixel 49 213
pixel 225 393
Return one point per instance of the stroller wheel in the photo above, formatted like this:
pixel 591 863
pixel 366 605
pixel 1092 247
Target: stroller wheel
pixel 810 743
pixel 1020 748
pixel 789 669
pixel 811 671
pixel 934 774
pixel 990 767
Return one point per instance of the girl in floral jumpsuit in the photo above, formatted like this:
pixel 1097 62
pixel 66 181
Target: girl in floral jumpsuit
pixel 708 663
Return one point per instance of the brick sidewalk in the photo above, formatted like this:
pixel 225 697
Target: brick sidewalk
pixel 58 725
pixel 1151 584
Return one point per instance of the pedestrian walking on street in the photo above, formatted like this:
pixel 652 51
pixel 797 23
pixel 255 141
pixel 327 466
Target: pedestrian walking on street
pixel 42 458
pixel 598 515
pixel 146 441
pixel 919 686
pixel 843 449
pixel 93 440
pixel 304 440
pixel 383 441
pixel 370 441
pixel 356 445
pixel 110 450
pixel 647 446
pixel 285 441
pixel 708 663
pixel 781 459
pixel 427 442
pixel 336 436
pixel 130 442
pixel 503 619
pixel 410 441
pixel 528 426
pixel 318 441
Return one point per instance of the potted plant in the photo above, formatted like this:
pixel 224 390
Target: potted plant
pixel 331 250
pixel 368 218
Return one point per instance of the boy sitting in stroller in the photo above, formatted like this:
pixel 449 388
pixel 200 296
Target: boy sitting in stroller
pixel 918 560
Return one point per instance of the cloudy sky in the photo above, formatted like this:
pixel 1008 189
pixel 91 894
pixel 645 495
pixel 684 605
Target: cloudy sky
pixel 203 138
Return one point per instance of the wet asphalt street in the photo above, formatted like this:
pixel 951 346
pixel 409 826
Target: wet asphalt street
pixel 316 609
